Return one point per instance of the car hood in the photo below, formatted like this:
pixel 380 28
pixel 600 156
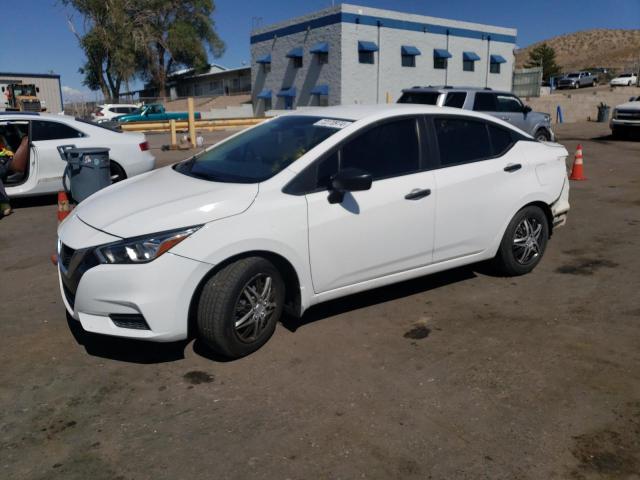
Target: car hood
pixel 163 200
pixel 629 106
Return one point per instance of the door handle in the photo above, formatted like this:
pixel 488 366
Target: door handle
pixel 512 167
pixel 417 194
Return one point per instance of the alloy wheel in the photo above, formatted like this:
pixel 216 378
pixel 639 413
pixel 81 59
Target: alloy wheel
pixel 254 308
pixel 526 240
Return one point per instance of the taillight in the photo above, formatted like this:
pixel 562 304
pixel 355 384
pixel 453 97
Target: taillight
pixel 99 114
pixel 144 146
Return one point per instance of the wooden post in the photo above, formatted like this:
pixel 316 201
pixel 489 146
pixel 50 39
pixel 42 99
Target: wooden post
pixel 388 97
pixel 174 137
pixel 192 122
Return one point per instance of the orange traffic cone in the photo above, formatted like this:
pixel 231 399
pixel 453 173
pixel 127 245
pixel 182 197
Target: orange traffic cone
pixel 63 206
pixel 577 172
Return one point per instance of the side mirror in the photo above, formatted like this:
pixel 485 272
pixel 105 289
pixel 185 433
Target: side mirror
pixel 348 180
pixel 526 109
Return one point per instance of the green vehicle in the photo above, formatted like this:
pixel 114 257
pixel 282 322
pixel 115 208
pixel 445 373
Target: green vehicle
pixel 154 112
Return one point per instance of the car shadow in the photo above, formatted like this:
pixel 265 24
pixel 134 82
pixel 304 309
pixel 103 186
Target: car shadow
pixel 38 201
pixel 380 295
pixel 141 352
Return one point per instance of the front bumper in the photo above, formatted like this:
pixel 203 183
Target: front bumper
pixel 619 123
pixel 158 292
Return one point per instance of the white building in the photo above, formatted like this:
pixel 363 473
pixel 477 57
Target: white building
pixel 351 54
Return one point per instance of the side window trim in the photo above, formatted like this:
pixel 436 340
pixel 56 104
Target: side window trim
pixel 289 188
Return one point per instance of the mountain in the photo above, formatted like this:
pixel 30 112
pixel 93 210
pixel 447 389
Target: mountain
pixel 616 49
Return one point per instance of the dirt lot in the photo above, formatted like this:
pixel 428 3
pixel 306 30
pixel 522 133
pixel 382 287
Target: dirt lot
pixel 459 375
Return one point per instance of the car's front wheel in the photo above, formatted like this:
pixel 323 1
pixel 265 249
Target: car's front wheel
pixel 542 135
pixel 523 243
pixel 239 307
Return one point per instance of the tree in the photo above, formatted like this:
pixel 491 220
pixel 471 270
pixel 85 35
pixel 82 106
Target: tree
pixel 544 56
pixel 173 33
pixel 108 43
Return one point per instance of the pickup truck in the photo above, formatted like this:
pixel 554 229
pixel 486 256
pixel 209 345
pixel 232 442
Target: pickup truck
pixel 626 118
pixel 153 112
pixel 578 80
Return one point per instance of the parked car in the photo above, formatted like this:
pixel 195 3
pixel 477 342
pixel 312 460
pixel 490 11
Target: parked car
pixel 129 152
pixel 577 80
pixel 504 105
pixel 305 208
pixel 626 118
pixel 151 113
pixel 109 111
pixel 624 79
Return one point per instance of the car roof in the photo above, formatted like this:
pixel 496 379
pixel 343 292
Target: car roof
pixel 389 110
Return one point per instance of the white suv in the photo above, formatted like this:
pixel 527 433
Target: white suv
pixel 306 208
pixel 109 111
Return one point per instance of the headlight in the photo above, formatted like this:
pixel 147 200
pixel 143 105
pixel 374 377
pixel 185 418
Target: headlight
pixel 547 118
pixel 142 249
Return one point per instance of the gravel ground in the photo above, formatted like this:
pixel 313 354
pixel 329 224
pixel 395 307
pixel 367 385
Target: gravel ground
pixel 459 375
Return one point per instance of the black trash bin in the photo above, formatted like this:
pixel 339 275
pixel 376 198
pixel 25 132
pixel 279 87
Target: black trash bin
pixel 603 113
pixel 87 171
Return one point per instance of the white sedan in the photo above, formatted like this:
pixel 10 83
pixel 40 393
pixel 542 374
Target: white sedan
pixel 624 80
pixel 38 137
pixel 305 208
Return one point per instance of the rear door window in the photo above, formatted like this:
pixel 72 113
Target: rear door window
pixel 424 98
pixel 501 139
pixel 461 140
pixel 45 130
pixel 455 99
pixel 485 102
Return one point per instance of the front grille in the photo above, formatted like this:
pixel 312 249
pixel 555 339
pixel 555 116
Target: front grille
pixel 65 255
pixel 31 106
pixel 628 115
pixel 129 320
pixel 69 295
pixel 73 265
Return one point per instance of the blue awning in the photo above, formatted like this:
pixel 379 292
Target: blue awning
pixel 320 90
pixel 367 46
pixel 470 56
pixel 497 59
pixel 265 94
pixel 322 47
pixel 264 59
pixel 410 50
pixel 441 53
pixel 295 53
pixel 287 92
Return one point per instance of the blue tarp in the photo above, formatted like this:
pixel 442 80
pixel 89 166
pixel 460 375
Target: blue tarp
pixel 320 90
pixel 497 59
pixel 470 56
pixel 287 92
pixel 441 53
pixel 322 47
pixel 264 59
pixel 367 46
pixel 265 94
pixel 410 50
pixel 295 53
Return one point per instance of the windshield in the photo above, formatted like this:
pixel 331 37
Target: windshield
pixel 573 75
pixel 424 98
pixel 625 75
pixel 263 151
pixel 24 91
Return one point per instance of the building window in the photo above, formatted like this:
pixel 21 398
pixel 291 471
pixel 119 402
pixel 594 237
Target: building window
pixel 297 62
pixel 494 67
pixel 366 57
pixel 267 104
pixel 439 63
pixel 266 67
pixel 468 65
pixel 408 60
pixel 323 58
pixel 323 100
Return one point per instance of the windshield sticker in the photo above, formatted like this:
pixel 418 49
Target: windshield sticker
pixel 331 123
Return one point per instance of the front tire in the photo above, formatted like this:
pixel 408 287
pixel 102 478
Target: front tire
pixel 542 135
pixel 240 306
pixel 523 243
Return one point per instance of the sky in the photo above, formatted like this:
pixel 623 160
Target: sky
pixel 36 38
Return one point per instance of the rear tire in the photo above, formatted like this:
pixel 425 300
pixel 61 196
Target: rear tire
pixel 240 306
pixel 117 172
pixel 523 243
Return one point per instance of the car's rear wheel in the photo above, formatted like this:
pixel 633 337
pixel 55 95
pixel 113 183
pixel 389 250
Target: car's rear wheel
pixel 542 135
pixel 523 243
pixel 240 306
pixel 117 172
